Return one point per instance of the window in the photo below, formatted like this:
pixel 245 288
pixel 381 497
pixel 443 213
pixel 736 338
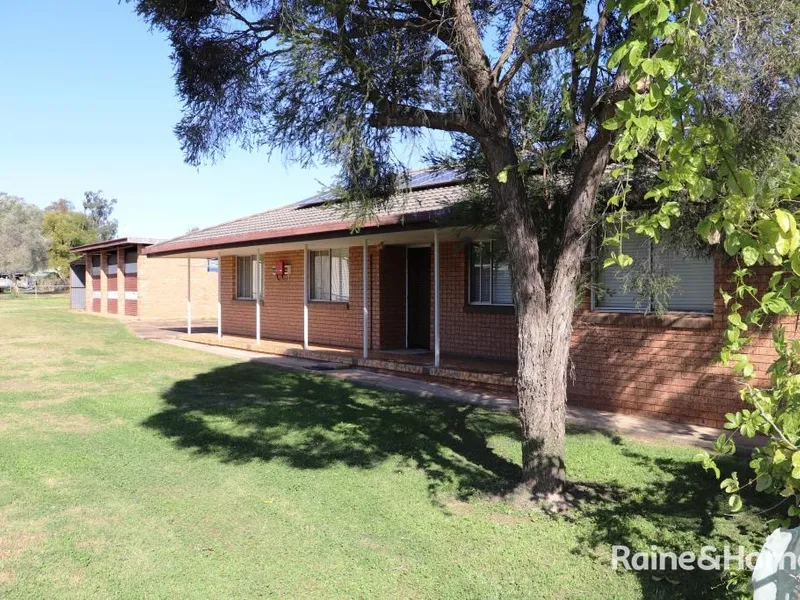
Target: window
pixel 111 261
pixel 489 276
pixel 247 278
pixel 212 265
pixel 660 278
pixel 131 256
pixel 329 277
pixel 95 265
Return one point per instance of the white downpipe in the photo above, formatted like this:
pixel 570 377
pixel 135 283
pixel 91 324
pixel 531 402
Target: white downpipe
pixel 189 295
pixel 219 297
pixel 436 298
pixel 260 285
pixel 365 324
pixel 306 283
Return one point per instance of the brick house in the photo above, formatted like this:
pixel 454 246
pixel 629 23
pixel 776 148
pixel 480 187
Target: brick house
pixel 406 286
pixel 116 278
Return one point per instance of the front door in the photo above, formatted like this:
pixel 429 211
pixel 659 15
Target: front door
pixel 419 297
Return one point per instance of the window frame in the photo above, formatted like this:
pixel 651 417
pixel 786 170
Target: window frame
pixel 95 270
pixel 112 268
pixel 492 266
pixel 256 286
pixel 597 269
pixel 343 299
pixel 131 268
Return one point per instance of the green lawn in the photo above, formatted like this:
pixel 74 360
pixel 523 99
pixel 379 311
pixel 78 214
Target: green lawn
pixel 137 469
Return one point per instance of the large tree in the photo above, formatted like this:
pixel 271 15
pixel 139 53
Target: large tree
pixel 99 208
pixel 22 246
pixel 521 83
pixel 65 228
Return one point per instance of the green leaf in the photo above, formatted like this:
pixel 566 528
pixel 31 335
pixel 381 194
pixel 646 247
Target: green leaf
pixel 785 220
pixel 638 6
pixel 732 244
pixel 502 176
pixel 619 53
pixel 749 255
pixel 663 13
pixel 763 482
pixel 650 66
pixel 735 502
pixel 623 260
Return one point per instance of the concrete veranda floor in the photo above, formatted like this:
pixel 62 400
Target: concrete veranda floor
pixel 663 432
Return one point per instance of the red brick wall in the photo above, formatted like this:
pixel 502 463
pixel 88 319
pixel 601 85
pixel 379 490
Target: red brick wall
pixel 627 363
pixel 336 324
pixel 464 329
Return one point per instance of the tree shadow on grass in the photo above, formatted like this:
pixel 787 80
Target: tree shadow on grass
pixel 680 508
pixel 246 412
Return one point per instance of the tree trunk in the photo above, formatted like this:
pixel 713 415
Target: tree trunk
pixel 545 304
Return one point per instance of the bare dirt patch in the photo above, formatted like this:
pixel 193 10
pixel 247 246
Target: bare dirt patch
pixel 56 482
pixel 15 541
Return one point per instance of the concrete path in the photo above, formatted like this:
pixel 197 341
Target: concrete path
pixel 653 430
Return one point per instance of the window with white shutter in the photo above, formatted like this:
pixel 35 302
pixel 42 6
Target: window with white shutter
pixel 489 275
pixel 693 276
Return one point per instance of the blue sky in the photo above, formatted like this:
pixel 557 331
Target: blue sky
pixel 87 102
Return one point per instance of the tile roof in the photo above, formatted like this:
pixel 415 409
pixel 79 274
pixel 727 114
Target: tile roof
pixel 126 241
pixel 300 219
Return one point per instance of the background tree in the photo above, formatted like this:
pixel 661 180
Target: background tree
pixel 522 85
pixel 22 247
pixel 65 228
pixel 99 209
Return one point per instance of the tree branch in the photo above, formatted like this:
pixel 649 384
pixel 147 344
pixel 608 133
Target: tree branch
pixel 403 115
pixel 512 38
pixel 588 99
pixel 526 54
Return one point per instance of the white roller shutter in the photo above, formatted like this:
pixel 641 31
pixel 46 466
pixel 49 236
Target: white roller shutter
pixel 612 298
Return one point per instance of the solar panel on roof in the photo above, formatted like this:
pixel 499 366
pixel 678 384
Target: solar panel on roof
pixel 415 181
pixel 315 200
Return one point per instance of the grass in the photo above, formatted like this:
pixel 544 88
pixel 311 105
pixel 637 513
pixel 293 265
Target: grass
pixel 136 469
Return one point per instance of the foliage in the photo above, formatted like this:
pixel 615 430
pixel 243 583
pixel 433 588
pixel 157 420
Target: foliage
pixel 99 209
pixel 22 247
pixel 751 213
pixel 65 228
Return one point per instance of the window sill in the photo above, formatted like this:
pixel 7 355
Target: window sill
pixel 489 309
pixel 344 305
pixel 244 299
pixel 666 321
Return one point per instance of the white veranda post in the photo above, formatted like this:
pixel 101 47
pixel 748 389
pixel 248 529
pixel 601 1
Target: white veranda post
pixel 436 298
pixel 259 286
pixel 189 295
pixel 306 283
pixel 219 296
